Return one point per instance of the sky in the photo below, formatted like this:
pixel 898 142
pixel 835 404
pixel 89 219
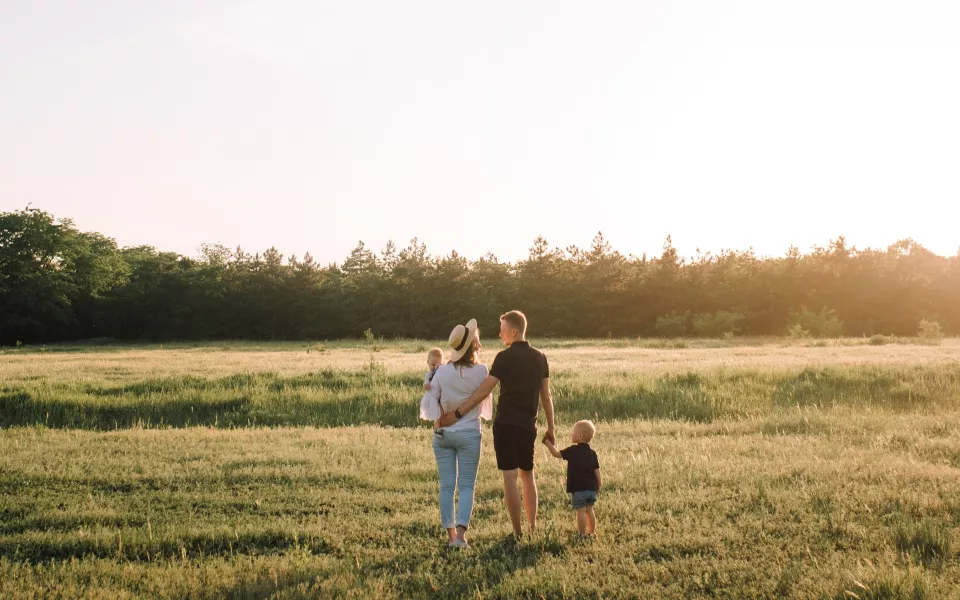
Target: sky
pixel 476 127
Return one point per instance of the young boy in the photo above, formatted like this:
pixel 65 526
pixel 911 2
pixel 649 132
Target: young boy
pixel 583 475
pixel 434 360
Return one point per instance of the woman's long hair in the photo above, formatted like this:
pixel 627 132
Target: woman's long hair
pixel 469 357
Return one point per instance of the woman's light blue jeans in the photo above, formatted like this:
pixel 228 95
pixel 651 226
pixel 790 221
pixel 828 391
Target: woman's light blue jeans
pixel 458 458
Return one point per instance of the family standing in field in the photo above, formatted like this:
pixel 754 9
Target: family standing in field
pixel 459 394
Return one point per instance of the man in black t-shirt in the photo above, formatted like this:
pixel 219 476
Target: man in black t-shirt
pixel 524 377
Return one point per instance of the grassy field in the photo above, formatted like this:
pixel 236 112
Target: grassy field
pixel 745 468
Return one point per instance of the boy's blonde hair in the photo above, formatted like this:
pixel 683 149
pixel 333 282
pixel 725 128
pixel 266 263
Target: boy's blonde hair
pixel 435 352
pixel 586 429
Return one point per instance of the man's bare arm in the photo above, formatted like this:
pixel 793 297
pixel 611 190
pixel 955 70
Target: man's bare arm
pixel 486 387
pixel 546 399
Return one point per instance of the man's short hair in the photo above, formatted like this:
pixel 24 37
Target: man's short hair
pixel 517 320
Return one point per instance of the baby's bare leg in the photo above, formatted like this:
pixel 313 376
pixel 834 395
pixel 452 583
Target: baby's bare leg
pixel 591 520
pixel 582 520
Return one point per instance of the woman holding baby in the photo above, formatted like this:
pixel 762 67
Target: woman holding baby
pixel 457 447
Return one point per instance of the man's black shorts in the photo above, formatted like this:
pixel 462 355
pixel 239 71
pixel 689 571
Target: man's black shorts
pixel 514 446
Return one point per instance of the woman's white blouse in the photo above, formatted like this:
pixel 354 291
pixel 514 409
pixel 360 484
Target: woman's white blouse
pixel 452 386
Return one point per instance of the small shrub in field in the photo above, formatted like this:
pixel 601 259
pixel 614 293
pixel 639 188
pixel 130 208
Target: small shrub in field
pixel 371 339
pixel 927 543
pixel 879 340
pixel 703 325
pixel 728 322
pixel 671 325
pixel 885 586
pixel 820 324
pixel 797 332
pixel 930 330
pixel 718 324
pixel 663 344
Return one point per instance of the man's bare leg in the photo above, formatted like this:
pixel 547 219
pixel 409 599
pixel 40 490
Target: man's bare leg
pixel 512 497
pixel 530 498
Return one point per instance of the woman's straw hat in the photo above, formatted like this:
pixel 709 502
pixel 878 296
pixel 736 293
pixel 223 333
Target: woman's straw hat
pixel 461 338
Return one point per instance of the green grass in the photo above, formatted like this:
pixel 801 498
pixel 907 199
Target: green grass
pixel 687 509
pixel 263 472
pixel 333 398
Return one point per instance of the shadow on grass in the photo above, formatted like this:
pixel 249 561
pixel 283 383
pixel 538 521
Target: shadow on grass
pixel 435 571
pixel 685 397
pixel 898 388
pixel 289 585
pixel 329 399
pixel 333 398
pixel 22 409
pixel 40 547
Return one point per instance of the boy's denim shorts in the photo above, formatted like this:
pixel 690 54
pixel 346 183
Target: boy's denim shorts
pixel 584 499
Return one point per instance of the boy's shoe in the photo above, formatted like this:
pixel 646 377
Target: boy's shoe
pixel 458 544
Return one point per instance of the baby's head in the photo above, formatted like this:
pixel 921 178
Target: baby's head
pixel 434 358
pixel 583 432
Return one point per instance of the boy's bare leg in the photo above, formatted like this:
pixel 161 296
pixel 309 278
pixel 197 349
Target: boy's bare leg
pixel 582 520
pixel 461 533
pixel 451 533
pixel 591 521
pixel 511 496
pixel 530 498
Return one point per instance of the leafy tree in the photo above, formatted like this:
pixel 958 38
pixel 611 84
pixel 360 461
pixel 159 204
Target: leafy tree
pixel 58 283
pixel 717 324
pixel 672 325
pixel 36 285
pixel 820 324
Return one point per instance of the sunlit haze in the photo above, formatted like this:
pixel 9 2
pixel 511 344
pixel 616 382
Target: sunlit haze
pixel 312 125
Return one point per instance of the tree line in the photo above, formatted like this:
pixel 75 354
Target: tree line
pixel 58 283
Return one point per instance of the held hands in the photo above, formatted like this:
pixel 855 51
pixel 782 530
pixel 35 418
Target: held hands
pixel 549 438
pixel 548 442
pixel 426 386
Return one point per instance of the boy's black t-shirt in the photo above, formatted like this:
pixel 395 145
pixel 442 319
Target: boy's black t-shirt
pixel 581 461
pixel 521 369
